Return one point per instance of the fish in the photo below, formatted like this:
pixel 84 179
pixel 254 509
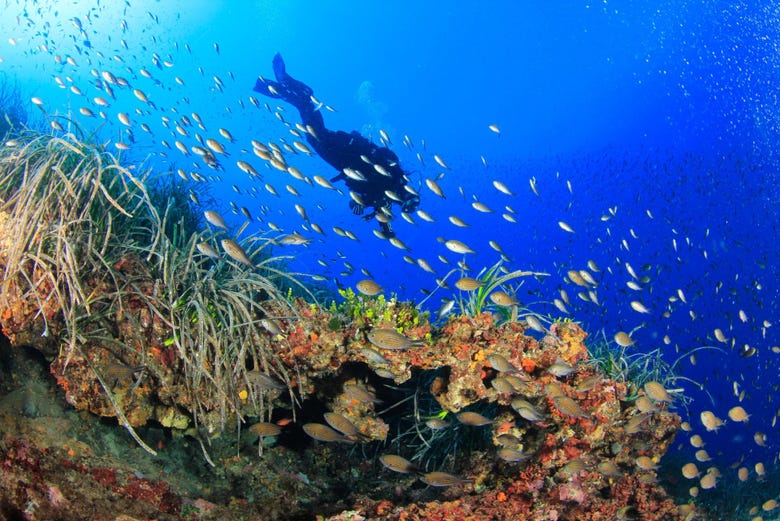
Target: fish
pixel 374 356
pixel 398 243
pixel 512 455
pixel 573 467
pixel 473 418
pixel 645 463
pixel 398 464
pixel 457 221
pixel 457 246
pixel 708 481
pixel 657 392
pixel 569 407
pixel 265 429
pixel 342 424
pixel 702 456
pixel 236 252
pixel 434 187
pixel 215 219
pixel 481 207
pixel 502 385
pixel 468 284
pixel 293 239
pixel 368 287
pixel 443 479
pixel 634 424
pixel 501 364
pixel 535 324
pixel 323 182
pixel 425 216
pixel 638 307
pixel 526 410
pixel 623 339
pixel 360 393
pixel 560 368
pixel 502 298
pixel 423 264
pixel 226 134
pixel 501 187
pixel 440 162
pixel 738 414
pixel 565 227
pixel 248 169
pixel 436 423
pixel 710 421
pixel 445 309
pixel 321 432
pixel 207 250
pixel 140 95
pixel 391 339
pixel 532 182
pixel 264 380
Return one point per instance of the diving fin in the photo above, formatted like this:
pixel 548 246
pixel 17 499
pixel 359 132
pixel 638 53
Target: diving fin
pixel 285 87
pixel 279 69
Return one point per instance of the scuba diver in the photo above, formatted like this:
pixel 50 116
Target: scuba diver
pixel 371 172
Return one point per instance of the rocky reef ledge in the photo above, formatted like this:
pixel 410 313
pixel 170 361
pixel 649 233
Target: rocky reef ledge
pixel 560 439
pixel 154 368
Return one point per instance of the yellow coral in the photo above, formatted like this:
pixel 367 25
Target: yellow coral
pixel 572 338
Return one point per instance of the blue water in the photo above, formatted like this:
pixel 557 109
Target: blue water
pixel 665 113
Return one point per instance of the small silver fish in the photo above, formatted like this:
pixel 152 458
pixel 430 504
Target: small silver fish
pixel 443 479
pixel 391 339
pixel 560 368
pixel 398 464
pixel 207 250
pixel 236 252
pixel 264 380
pixel 215 219
pixel 321 432
pixel 294 239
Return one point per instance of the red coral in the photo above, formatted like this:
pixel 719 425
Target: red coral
pixel 156 493
pixel 106 477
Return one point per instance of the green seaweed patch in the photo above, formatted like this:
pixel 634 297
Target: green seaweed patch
pixel 335 324
pixel 366 312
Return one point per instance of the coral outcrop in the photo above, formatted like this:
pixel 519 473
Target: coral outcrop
pixel 506 417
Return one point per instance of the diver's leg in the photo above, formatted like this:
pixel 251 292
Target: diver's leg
pixel 268 88
pixel 295 91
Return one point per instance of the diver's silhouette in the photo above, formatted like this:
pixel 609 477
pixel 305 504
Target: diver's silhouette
pixel 371 172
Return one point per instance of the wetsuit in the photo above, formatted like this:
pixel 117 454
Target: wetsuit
pixel 344 150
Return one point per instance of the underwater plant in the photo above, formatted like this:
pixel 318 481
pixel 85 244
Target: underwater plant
pixel 69 208
pixel 492 292
pixel 117 286
pixel 13 115
pixel 635 367
pixel 224 318
pixel 363 311
pixel 430 436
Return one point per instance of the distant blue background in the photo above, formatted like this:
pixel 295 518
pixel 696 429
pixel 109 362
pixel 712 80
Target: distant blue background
pixel 667 107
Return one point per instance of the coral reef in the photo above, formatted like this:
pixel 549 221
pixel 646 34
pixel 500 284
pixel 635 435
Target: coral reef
pixel 163 336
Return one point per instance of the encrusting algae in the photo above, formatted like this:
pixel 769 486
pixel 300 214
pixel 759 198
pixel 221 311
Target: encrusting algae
pixel 534 430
